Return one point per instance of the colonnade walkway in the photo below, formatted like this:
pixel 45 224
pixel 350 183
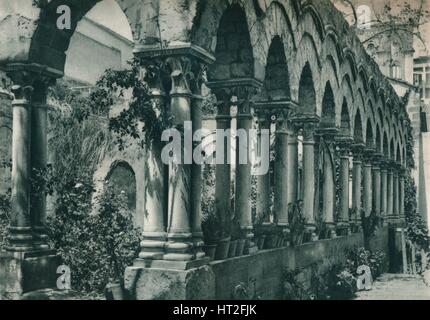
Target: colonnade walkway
pixel 397 287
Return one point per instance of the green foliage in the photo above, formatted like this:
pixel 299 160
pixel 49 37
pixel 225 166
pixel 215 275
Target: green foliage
pixel 416 228
pixel 141 108
pixel 337 282
pixel 5 211
pixel 359 257
pixel 96 246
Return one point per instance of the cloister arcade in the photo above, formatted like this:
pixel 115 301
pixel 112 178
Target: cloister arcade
pixel 297 64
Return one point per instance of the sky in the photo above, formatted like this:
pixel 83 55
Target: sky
pixel 109 14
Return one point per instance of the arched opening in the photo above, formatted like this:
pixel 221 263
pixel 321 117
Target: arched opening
pixel 370 143
pixel 328 116
pixel 123 179
pixel 398 154
pixel 99 43
pixel 325 195
pixel 233 53
pixel 50 43
pixel 385 146
pixel 392 151
pixel 358 128
pixel 277 77
pixel 378 144
pixel 345 121
pixel 307 98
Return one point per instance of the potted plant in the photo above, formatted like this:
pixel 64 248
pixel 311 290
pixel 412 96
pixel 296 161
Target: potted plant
pixel 271 233
pixel 235 237
pixel 297 222
pixel 259 235
pixel 211 234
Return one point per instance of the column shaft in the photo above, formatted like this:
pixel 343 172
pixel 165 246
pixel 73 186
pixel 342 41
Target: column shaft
pixel 156 189
pixel 402 196
pixel 223 170
pixel 282 187
pixel 243 174
pixel 292 166
pixel 390 189
pixel 309 179
pixel 383 193
pixel 263 183
pixel 395 195
pixel 343 223
pixel 20 231
pixel 196 184
pixel 356 190
pixel 367 188
pixel 39 161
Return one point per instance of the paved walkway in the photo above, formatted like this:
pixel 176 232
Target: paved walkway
pixel 397 287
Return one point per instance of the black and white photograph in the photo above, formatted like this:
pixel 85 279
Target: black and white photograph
pixel 226 152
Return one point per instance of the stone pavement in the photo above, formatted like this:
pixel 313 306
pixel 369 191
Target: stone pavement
pixel 397 287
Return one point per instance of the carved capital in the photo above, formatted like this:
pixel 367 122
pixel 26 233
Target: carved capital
pixel 22 94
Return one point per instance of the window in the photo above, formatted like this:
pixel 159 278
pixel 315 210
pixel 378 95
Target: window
pixel 427 94
pixel 418 80
pixel 395 71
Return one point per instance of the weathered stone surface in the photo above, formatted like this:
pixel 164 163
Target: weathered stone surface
pixel 25 272
pixel 164 284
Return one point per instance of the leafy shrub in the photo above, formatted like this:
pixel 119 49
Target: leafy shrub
pixel 5 211
pixel 97 247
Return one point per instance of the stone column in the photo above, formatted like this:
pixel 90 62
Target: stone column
pixel 395 193
pixel 243 171
pixel 384 191
pixel 328 135
pixel 292 164
pixel 356 186
pixel 20 229
pixel 179 246
pixel 282 166
pixel 376 185
pixel 367 182
pixel 39 159
pixel 390 190
pixel 309 178
pixel 263 181
pixel 223 169
pixel 343 223
pixel 196 181
pixel 154 227
pixel 402 176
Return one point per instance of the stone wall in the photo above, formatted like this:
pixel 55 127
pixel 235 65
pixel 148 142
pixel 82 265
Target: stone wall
pixel 262 272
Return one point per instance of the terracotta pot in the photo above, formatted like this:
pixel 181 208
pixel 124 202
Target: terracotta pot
pixel 222 249
pixel 260 242
pixel 210 250
pixel 240 247
pixel 232 249
pixel 271 242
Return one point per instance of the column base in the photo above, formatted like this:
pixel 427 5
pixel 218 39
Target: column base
pixel 310 233
pixel 20 239
pixel 343 229
pixel 179 247
pixel 198 244
pixel 153 245
pixel 330 230
pixel 22 272
pixel 164 282
pixel 40 239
